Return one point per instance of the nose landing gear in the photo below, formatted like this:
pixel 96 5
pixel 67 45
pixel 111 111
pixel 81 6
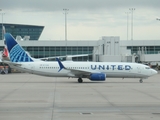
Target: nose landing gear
pixel 141 80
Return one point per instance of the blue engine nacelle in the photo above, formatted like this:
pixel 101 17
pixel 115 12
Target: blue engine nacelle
pixel 98 77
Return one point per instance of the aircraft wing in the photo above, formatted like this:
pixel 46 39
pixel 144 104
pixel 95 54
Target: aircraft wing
pixel 75 71
pixel 67 56
pixel 81 72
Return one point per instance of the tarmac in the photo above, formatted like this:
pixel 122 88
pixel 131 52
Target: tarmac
pixel 30 97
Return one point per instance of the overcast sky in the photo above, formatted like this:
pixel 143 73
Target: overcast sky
pixel 86 19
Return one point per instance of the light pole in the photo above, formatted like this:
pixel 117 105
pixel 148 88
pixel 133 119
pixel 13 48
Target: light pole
pixel 127 22
pixel 65 13
pixel 2 23
pixel 158 19
pixel 132 9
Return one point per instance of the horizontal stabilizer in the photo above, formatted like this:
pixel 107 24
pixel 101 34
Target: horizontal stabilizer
pixel 12 63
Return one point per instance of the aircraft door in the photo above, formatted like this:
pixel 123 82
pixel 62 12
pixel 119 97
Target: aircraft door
pixel 32 67
pixel 138 69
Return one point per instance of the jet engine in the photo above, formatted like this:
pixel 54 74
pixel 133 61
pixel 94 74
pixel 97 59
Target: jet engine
pixel 97 77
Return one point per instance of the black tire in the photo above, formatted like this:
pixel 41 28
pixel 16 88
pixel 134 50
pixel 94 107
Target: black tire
pixel 80 80
pixel 141 81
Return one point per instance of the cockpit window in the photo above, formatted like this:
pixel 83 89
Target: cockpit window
pixel 147 68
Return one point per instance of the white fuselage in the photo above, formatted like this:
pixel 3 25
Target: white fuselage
pixel 111 69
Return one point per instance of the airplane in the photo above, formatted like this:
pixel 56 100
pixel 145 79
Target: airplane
pixel 95 71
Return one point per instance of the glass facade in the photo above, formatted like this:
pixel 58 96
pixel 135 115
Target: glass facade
pixel 52 51
pixel 147 49
pixel 1 48
pixel 23 30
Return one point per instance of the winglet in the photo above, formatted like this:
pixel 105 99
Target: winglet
pixel 60 64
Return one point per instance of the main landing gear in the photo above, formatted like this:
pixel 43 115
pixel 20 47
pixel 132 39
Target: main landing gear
pixel 141 80
pixel 80 80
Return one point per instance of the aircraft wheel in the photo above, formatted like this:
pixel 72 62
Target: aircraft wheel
pixel 141 81
pixel 80 80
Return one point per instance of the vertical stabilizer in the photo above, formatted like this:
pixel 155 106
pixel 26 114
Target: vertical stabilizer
pixel 16 52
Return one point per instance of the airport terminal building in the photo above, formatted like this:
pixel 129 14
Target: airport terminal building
pixel 21 31
pixel 109 48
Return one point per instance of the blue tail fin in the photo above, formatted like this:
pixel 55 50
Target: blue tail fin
pixel 16 52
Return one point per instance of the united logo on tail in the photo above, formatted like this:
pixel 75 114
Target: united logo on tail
pixel 16 52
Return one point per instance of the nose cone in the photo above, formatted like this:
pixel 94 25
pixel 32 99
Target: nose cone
pixel 154 72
